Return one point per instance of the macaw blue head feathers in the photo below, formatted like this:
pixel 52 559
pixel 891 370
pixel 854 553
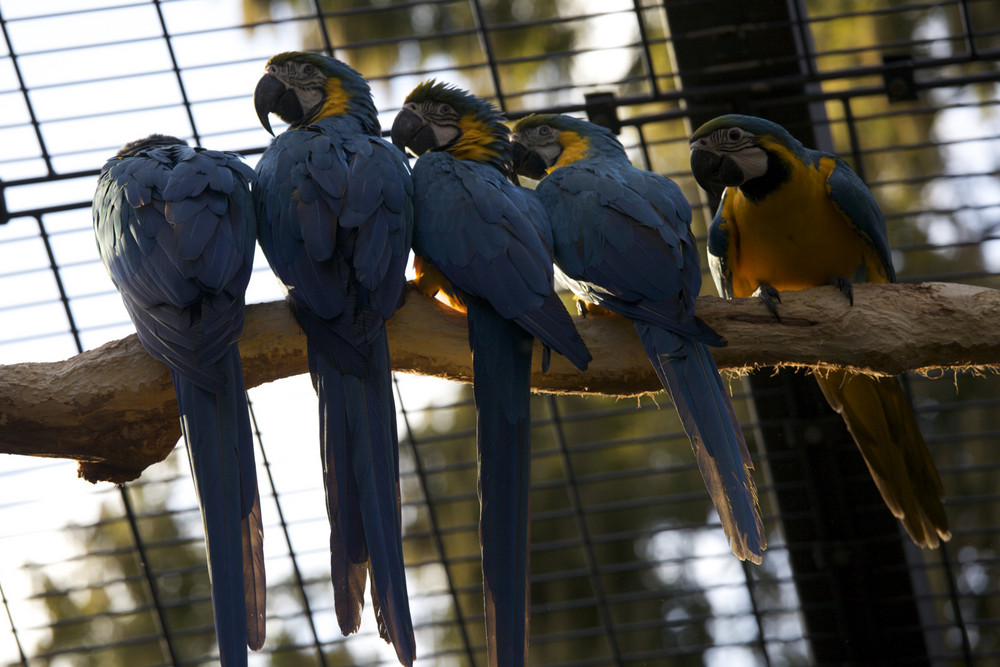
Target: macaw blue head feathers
pixel 543 142
pixel 133 148
pixel 439 116
pixel 302 88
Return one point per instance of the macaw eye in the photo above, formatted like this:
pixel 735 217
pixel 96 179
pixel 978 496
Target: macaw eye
pixel 444 108
pixel 308 69
pixel 735 134
pixel 544 130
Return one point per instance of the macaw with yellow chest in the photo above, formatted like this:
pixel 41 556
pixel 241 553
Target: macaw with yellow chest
pixel 792 218
pixel 485 236
pixel 334 221
pixel 175 228
pixel 623 241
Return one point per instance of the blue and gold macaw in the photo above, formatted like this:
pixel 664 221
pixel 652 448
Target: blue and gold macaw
pixel 623 241
pixel 484 235
pixel 335 219
pixel 792 218
pixel 175 228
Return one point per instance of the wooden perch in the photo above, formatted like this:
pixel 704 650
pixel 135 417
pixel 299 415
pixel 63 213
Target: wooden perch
pixel 113 408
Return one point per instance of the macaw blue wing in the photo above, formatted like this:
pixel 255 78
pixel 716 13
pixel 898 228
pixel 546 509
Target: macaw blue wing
pixel 475 228
pixel 335 222
pixel 175 228
pixel 623 240
pixel 855 200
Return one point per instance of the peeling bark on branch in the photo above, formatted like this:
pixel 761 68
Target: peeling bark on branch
pixel 113 408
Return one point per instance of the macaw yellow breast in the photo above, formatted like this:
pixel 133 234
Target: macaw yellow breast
pixel 795 237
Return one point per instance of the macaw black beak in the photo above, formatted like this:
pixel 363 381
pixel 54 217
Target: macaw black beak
pixel 518 154
pixel 528 162
pixel 714 172
pixel 272 96
pixel 410 131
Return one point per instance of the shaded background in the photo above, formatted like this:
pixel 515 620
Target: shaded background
pixel 629 564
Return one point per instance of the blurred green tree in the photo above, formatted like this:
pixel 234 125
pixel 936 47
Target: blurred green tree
pixel 619 520
pixel 391 38
pixel 100 610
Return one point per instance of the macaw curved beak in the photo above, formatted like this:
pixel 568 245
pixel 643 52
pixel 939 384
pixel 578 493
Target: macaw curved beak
pixel 714 172
pixel 528 162
pixel 272 96
pixel 410 131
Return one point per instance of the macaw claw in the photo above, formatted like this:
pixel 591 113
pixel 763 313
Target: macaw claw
pixel 770 297
pixel 586 309
pixel 843 285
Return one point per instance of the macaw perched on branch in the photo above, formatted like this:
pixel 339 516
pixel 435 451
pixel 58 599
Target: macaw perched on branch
pixel 793 218
pixel 623 241
pixel 335 220
pixel 485 235
pixel 176 230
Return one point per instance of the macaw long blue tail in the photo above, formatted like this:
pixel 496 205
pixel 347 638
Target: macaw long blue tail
pixel 216 427
pixel 361 468
pixel 501 360
pixel 689 374
pixel 348 551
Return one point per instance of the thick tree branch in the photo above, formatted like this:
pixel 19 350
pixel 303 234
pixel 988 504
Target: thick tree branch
pixel 113 408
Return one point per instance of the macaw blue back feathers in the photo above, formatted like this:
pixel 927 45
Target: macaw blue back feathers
pixel 623 241
pixel 490 240
pixel 316 162
pixel 791 218
pixel 335 221
pixel 175 229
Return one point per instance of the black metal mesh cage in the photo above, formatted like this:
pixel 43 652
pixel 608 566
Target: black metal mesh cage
pixel 629 564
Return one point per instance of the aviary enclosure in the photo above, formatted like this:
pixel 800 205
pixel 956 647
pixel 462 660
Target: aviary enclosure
pixel 629 564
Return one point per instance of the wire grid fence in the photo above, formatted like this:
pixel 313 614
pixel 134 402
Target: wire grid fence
pixel 629 564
